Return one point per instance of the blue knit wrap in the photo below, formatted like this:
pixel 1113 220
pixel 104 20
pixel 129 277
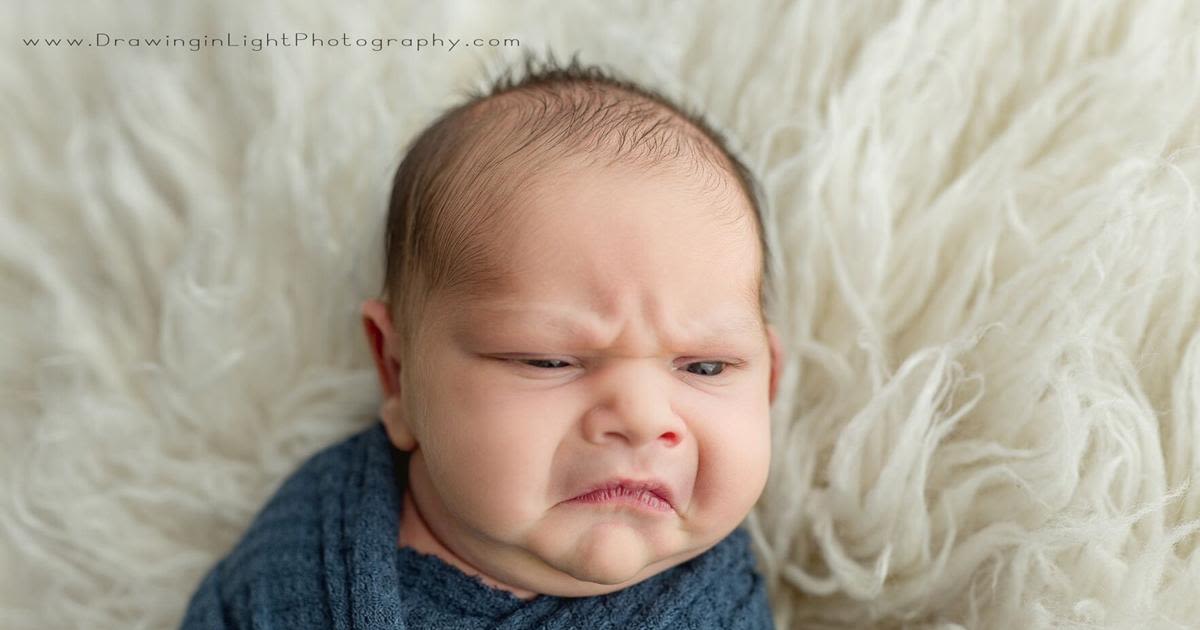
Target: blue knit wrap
pixel 322 553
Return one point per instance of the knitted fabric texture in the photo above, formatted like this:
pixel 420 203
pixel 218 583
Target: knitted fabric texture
pixel 323 553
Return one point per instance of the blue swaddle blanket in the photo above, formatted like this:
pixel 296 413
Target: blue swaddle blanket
pixel 322 553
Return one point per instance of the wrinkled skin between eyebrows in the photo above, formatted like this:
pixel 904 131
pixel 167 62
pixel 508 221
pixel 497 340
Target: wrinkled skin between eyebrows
pixel 627 347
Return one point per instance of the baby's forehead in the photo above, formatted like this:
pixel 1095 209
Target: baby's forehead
pixel 529 192
pixel 525 145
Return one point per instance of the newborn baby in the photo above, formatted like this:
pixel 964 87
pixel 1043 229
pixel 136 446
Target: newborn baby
pixel 574 359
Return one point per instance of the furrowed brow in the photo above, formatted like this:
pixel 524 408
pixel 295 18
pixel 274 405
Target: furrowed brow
pixel 725 330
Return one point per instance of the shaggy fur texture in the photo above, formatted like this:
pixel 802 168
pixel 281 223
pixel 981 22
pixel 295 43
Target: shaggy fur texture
pixel 987 242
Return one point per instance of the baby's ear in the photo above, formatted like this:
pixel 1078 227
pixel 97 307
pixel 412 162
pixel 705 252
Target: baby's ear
pixel 377 323
pixel 776 361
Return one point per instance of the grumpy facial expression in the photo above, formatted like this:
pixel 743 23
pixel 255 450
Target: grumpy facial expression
pixel 631 347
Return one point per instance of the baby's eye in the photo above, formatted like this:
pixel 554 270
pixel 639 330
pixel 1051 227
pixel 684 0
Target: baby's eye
pixel 709 366
pixel 531 361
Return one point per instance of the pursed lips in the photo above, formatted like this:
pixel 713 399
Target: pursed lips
pixel 632 486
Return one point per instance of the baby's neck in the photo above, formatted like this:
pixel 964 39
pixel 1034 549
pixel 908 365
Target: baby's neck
pixel 414 533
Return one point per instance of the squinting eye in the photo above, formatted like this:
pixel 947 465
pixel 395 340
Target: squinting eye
pixel 710 368
pixel 719 366
pixel 531 361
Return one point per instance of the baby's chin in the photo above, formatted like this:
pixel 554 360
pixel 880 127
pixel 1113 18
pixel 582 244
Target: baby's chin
pixel 611 550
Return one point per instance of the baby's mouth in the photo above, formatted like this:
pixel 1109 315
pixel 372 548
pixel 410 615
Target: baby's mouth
pixel 650 496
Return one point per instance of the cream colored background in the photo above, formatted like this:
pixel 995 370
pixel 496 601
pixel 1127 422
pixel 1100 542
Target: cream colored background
pixel 986 222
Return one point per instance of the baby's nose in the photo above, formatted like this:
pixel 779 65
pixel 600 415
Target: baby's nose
pixel 634 407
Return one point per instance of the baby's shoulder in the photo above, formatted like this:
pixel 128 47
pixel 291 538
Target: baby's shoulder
pixel 281 553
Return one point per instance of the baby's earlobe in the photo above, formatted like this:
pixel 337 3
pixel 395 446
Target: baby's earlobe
pixel 391 412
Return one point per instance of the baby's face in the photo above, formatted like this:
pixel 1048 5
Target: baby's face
pixel 631 348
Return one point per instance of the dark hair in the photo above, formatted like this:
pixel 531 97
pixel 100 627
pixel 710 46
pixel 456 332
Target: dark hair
pixel 449 198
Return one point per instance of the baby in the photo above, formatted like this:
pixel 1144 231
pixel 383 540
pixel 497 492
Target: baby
pixel 575 363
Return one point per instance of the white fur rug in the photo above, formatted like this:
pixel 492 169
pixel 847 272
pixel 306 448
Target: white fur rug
pixel 988 236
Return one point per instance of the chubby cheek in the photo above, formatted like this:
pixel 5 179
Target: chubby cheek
pixel 734 460
pixel 490 454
